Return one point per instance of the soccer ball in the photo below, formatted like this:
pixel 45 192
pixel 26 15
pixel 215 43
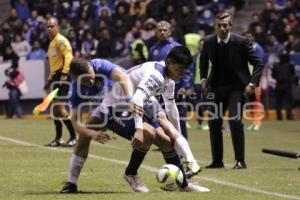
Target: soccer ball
pixel 169 177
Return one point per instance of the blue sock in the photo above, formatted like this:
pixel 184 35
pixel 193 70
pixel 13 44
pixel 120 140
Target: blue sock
pixel 173 158
pixel 136 159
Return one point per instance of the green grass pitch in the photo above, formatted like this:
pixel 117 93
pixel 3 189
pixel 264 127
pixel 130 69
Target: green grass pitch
pixel 30 171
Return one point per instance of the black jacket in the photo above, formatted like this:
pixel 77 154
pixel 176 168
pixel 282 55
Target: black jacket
pixel 240 53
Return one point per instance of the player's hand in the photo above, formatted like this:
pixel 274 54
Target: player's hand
pixel 250 92
pixel 136 109
pixel 190 91
pixel 101 137
pixel 63 77
pixel 138 138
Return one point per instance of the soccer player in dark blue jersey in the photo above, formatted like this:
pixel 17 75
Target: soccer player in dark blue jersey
pixel 125 128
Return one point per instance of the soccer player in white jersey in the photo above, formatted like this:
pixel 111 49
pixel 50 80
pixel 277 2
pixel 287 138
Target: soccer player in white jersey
pixel 148 79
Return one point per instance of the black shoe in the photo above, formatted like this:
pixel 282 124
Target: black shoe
pixel 214 165
pixel 69 188
pixel 53 143
pixel 240 165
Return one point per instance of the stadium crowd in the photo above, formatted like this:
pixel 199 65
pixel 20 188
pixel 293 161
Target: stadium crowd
pixel 109 28
pixel 100 28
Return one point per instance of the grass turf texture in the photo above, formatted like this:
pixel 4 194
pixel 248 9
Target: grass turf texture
pixel 36 172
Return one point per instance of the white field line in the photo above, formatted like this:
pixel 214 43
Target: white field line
pixel 153 169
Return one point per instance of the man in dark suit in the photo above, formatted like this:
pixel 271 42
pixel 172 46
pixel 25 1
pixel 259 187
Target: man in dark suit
pixel 228 85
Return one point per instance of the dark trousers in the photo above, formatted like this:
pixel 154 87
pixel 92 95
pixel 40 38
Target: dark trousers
pixel 284 101
pixel 14 106
pixel 231 100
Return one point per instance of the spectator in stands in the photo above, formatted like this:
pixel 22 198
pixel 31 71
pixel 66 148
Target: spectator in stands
pixel 136 11
pixel 154 9
pixel 75 42
pixel 9 54
pixel 170 12
pixel 275 24
pixel 274 47
pixel 37 53
pixel 34 20
pixel 119 29
pixel 72 11
pixel 106 46
pixel 22 9
pixel 89 46
pixel 3 45
pixel 40 34
pixel 288 9
pixel 56 9
pixel 81 28
pixel 148 34
pixel 284 72
pixel 65 26
pixel 122 13
pixel 129 38
pixel 255 21
pixel 138 49
pixel 188 19
pixel 14 20
pixel 265 15
pixel 292 44
pixel 292 20
pixel 105 15
pixel 176 31
pixel 206 21
pixel 15 78
pixel 26 32
pixel 20 46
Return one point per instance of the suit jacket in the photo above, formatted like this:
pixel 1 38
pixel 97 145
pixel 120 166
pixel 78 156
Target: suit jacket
pixel 241 52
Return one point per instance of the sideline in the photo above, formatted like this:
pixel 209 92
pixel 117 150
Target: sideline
pixel 153 169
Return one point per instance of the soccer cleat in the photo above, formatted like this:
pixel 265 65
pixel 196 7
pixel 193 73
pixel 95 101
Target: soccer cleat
pixel 191 187
pixel 69 188
pixel 250 128
pixel 192 169
pixel 70 143
pixel 256 128
pixel 136 183
pixel 204 127
pixel 54 143
pixel 188 125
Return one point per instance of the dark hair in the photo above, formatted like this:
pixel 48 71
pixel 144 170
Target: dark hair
pixel 223 15
pixel 15 62
pixel 181 55
pixel 79 66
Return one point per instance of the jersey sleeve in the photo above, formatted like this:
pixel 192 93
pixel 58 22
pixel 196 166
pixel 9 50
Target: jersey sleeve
pixel 171 107
pixel 148 86
pixel 74 99
pixel 66 50
pixel 104 67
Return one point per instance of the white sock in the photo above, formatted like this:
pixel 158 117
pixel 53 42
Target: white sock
pixel 76 164
pixel 183 148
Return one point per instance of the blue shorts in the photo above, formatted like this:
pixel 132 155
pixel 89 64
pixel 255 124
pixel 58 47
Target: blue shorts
pixel 124 126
